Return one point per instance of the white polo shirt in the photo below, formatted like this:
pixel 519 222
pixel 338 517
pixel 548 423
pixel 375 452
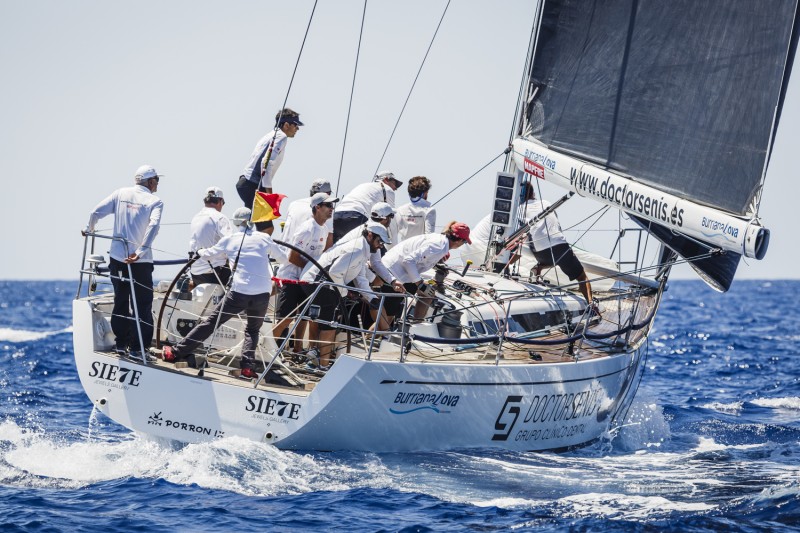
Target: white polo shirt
pixel 375 258
pixel 409 259
pixel 255 171
pixel 547 232
pixel 414 218
pixel 345 263
pixel 364 196
pixel 253 274
pixel 208 227
pixel 298 212
pixel 309 237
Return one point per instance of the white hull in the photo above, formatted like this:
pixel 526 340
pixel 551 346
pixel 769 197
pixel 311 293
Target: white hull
pixel 374 405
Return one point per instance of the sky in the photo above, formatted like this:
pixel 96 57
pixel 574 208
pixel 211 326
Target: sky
pixel 91 90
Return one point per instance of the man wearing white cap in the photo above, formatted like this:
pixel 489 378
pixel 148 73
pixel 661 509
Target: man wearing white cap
pixel 311 237
pixel 300 210
pixel 354 209
pixel 208 227
pixel 344 264
pixel 137 216
pixel 378 275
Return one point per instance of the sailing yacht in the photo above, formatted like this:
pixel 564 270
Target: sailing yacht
pixel 663 111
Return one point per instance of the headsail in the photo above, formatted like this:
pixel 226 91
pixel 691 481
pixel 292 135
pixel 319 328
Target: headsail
pixel 683 97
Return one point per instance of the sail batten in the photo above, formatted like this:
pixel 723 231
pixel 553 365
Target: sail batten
pixel 692 116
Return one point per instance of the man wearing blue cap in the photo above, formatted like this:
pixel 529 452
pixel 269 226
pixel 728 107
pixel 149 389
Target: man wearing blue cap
pixel 266 159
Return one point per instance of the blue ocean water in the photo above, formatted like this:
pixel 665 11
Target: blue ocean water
pixel 710 443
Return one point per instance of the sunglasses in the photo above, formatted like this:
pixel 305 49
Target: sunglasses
pixel 326 204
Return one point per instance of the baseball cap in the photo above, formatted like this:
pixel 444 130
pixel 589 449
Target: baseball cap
pixel 322 197
pixel 214 192
pixel 241 216
pixel 378 229
pixel 145 172
pixel 382 210
pixel 383 174
pixel 460 231
pixel 320 185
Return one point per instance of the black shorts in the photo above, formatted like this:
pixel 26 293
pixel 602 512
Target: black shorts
pixel 564 257
pixel 290 298
pixel 392 305
pixel 411 288
pixel 328 301
pixel 346 221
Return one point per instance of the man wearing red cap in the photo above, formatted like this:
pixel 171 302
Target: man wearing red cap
pixel 409 259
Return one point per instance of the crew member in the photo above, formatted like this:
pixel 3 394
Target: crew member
pixel 208 227
pixel 353 210
pixel 266 159
pixel 249 252
pixel 416 217
pixel 137 216
pixel 408 260
pixel 345 264
pixel 311 237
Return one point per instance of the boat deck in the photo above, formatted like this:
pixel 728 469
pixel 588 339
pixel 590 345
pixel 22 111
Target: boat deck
pixel 294 378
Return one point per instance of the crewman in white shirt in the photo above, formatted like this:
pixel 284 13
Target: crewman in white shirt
pixel 311 237
pixel 408 260
pixel 379 277
pixel 208 227
pixel 416 217
pixel 300 210
pixel 265 160
pixel 249 252
pixel 344 264
pixel 137 216
pixel 550 247
pixel 353 210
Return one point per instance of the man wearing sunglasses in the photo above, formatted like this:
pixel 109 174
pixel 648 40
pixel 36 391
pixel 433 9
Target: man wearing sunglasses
pixel 311 237
pixel 345 264
pixel 354 209
pixel 137 216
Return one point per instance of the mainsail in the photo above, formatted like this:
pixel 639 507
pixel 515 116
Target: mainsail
pixel 694 116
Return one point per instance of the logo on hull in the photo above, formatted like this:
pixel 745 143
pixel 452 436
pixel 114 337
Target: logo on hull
pixel 423 402
pixel 157 420
pixel 113 376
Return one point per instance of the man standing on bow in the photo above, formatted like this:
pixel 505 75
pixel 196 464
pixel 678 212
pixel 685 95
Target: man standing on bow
pixel 266 159
pixel 208 227
pixel 137 216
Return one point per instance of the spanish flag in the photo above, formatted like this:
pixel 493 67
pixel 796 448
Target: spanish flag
pixel 265 206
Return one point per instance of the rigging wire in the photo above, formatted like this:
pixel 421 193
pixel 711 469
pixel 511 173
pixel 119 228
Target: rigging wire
pixel 470 177
pixel 297 63
pixel 412 88
pixel 352 90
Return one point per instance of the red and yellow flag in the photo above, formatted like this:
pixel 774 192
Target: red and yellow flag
pixel 266 206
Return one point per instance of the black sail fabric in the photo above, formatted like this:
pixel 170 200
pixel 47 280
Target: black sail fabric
pixel 678 94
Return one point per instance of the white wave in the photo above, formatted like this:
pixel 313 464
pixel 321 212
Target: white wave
pixel 624 506
pixel 33 459
pixel 645 425
pixel 792 403
pixel 733 408
pixel 22 335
